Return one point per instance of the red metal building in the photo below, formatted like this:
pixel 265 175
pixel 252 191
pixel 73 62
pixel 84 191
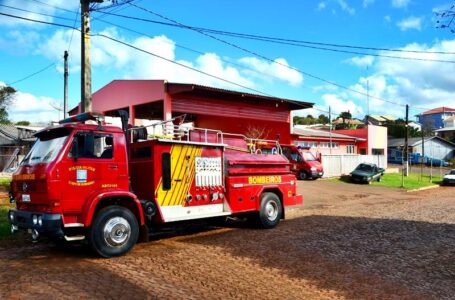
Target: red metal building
pixel 206 107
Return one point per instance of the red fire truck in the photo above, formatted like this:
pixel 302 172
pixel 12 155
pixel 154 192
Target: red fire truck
pixel 105 185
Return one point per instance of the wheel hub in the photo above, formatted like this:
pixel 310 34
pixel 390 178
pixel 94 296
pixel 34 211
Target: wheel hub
pixel 117 231
pixel 271 210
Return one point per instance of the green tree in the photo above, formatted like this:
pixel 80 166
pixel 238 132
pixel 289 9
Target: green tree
pixel 6 97
pixel 323 119
pixel 23 123
pixel 346 115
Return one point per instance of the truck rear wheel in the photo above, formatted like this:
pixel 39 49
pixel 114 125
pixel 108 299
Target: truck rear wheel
pixel 302 175
pixel 271 210
pixel 114 231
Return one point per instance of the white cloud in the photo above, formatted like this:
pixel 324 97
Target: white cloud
pixel 388 19
pixel 35 109
pixel 345 7
pixel 48 8
pixel 321 5
pixel 367 3
pixel 279 69
pixel 338 105
pixel 421 84
pixel 363 61
pixel 400 3
pixel 410 23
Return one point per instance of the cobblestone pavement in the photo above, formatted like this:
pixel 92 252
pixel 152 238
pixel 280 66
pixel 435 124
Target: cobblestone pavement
pixel 346 242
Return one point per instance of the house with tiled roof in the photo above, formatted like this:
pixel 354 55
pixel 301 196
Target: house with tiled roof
pixel 434 118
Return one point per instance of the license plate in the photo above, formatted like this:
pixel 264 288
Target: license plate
pixel 25 198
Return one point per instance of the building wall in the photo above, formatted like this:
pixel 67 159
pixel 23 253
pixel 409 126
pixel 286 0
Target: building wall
pixel 436 149
pixel 246 127
pixel 434 121
pixel 375 139
pixel 320 146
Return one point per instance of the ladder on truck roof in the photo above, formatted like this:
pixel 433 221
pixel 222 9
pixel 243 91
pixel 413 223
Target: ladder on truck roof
pixel 174 129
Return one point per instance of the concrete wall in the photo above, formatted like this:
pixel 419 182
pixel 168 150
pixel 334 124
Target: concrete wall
pixel 337 165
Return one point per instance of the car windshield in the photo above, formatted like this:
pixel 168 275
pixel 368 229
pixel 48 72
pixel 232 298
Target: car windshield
pixel 365 168
pixel 452 172
pixel 47 146
pixel 308 156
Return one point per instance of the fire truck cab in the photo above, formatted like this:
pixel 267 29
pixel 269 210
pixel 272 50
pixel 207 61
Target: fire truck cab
pixel 102 184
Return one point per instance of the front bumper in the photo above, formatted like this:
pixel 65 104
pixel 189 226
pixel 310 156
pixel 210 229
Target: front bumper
pixel 446 181
pixel 316 174
pixel 50 224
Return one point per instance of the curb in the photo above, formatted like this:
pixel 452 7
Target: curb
pixel 424 188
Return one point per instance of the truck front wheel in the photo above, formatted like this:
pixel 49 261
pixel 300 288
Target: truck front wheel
pixel 302 175
pixel 271 210
pixel 114 231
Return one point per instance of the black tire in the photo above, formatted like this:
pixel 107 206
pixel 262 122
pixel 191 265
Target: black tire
pixel 114 231
pixel 270 212
pixel 379 179
pixel 302 175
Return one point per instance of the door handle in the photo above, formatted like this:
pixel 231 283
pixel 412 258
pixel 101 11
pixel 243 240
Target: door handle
pixel 112 167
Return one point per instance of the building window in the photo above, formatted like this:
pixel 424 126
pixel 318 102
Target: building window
pixel 92 145
pixel 306 144
pixel 363 151
pixel 377 151
pixel 350 149
pixel 327 145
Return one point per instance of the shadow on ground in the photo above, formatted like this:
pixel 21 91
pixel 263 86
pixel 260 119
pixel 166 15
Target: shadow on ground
pixel 357 256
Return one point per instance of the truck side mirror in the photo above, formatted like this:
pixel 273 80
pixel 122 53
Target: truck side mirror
pixel 75 149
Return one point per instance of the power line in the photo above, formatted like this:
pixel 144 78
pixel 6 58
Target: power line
pixel 36 13
pixel 178 45
pixel 145 51
pixel 31 75
pixel 181 65
pixel 39 21
pixel 74 26
pixel 276 39
pixel 268 59
pixel 188 67
pixel 53 6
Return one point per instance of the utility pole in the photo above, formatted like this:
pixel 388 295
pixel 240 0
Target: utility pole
pixel 406 147
pixel 65 85
pixel 86 73
pixel 330 130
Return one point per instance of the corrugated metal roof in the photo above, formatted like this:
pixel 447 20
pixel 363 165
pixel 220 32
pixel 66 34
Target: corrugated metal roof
pixel 377 118
pixel 322 134
pixel 188 87
pixel 412 142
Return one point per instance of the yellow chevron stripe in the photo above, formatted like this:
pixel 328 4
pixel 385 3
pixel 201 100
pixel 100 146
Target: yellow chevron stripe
pixel 177 159
pixel 180 174
pixel 183 190
pixel 191 172
pixel 182 169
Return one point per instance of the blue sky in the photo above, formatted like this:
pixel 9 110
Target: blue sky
pixel 280 70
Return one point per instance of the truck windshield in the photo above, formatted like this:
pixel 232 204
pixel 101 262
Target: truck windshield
pixel 308 156
pixel 47 146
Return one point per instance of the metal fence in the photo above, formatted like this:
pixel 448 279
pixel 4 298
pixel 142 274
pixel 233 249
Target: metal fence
pixel 339 164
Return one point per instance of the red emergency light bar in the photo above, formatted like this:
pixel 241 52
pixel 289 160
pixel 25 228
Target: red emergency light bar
pixel 82 117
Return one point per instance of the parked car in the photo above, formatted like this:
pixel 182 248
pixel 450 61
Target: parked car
pixel 366 173
pixel 436 162
pixel 449 178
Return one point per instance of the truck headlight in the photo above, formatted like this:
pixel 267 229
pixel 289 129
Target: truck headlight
pixel 40 220
pixel 313 168
pixel 35 219
pixel 11 216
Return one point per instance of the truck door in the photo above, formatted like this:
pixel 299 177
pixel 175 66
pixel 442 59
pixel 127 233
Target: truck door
pixel 89 167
